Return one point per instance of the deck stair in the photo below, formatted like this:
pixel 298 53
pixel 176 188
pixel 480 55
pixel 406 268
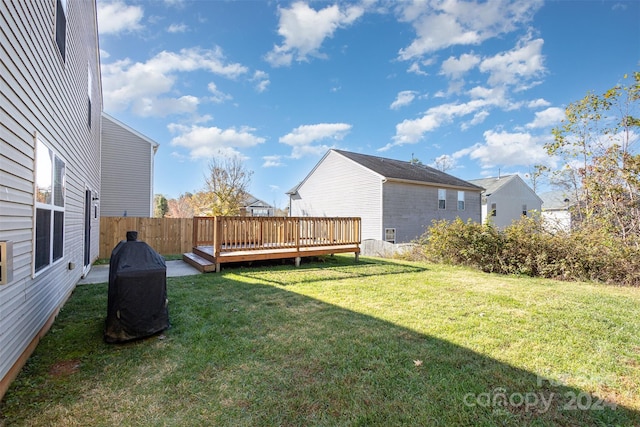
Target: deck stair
pixel 202 264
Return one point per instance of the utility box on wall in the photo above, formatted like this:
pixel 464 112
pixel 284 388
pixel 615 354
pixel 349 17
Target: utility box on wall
pixel 6 262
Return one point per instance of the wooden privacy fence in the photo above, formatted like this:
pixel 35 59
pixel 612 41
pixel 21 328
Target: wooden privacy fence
pixel 231 233
pixel 166 236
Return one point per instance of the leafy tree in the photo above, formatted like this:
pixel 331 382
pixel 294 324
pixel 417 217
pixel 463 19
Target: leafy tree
pixel 226 188
pixel 160 206
pixel 598 141
pixel 182 207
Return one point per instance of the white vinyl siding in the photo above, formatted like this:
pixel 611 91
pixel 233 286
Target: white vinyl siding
pixel 340 187
pixel 508 202
pixel 42 95
pixel 127 171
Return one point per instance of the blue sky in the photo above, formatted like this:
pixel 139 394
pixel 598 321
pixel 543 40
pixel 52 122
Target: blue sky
pixel 477 85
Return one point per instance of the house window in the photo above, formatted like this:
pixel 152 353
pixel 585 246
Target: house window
pixel 50 201
pixel 460 200
pixel 493 209
pixel 61 26
pixel 390 235
pixel 442 198
pixel 524 210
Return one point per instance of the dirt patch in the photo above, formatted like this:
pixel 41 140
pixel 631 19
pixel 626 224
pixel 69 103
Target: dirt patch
pixel 65 368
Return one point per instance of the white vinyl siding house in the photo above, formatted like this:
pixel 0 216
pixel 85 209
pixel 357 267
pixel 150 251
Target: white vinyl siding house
pixel 127 170
pixel 557 209
pixel 396 200
pixel 337 185
pixel 49 164
pixel 506 199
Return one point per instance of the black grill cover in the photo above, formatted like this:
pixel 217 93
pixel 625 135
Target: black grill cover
pixel 137 300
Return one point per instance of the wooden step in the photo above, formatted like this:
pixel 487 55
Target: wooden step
pixel 203 265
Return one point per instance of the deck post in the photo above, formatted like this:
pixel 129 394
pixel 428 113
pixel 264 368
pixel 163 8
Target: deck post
pixel 217 237
pixel 298 259
pixel 196 223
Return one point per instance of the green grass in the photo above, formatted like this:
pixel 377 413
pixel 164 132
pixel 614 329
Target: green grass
pixel 378 343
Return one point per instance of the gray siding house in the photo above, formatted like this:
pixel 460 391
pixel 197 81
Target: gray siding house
pixel 397 200
pixel 127 170
pixel 50 107
pixel 506 199
pixel 256 207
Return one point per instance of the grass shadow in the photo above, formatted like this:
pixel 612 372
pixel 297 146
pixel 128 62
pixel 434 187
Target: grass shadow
pixel 247 353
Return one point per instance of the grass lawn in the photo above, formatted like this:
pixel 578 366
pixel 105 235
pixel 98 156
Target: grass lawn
pixel 378 343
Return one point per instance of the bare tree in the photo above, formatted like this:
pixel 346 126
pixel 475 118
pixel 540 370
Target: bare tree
pixel 226 187
pixel 444 163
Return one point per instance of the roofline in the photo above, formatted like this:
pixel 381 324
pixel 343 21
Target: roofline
pixel 153 143
pixel 436 184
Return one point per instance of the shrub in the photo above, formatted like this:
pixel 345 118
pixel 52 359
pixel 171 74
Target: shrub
pixel 525 247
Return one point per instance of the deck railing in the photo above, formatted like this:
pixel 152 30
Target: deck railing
pixel 236 233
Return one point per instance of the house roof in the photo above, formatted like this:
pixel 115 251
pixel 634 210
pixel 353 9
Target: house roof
pixel 153 143
pixel 252 201
pixel 493 183
pixel 556 200
pixel 407 171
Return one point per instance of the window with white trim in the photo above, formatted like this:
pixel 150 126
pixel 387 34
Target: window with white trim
pixel 50 201
pixel 390 235
pixel 61 26
pixel 460 200
pixel 442 198
pixel 89 91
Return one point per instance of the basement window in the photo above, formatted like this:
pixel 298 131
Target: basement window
pixel 390 235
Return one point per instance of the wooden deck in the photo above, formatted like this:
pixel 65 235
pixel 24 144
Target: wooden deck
pixel 219 240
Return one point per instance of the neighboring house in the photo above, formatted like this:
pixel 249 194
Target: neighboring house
pixel 556 210
pixel 256 207
pixel 506 199
pixel 397 200
pixel 127 170
pixel 50 107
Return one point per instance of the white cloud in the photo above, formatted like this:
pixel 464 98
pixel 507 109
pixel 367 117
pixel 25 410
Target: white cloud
pixel 517 66
pixel 272 161
pixel 455 68
pixel 441 24
pixel 403 99
pixel 137 84
pixel 545 118
pixel 506 149
pixel 478 118
pixel 411 131
pixel 305 29
pixel 116 17
pixel 261 80
pixel 218 96
pixel 205 142
pixel 303 138
pixel 162 107
pixel 538 103
pixel 177 28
